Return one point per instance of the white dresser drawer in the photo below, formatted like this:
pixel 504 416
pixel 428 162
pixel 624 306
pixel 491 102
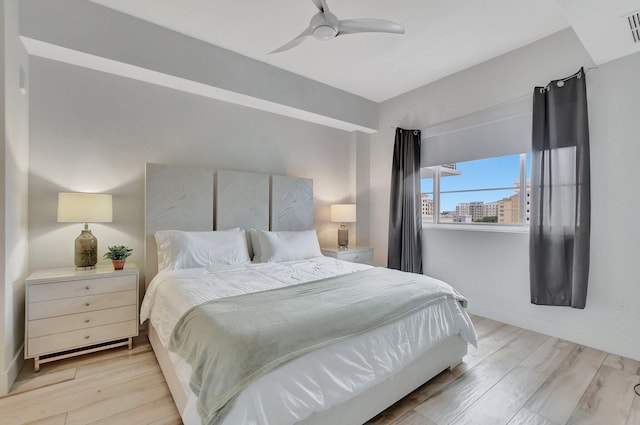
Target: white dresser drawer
pixel 364 257
pixel 41 310
pixel 79 338
pixel 72 322
pixel 80 288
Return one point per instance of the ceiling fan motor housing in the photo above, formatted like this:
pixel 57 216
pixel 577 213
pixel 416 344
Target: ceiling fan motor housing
pixel 324 32
pixel 325 25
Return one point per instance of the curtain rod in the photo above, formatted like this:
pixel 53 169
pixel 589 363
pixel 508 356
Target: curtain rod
pixel 560 82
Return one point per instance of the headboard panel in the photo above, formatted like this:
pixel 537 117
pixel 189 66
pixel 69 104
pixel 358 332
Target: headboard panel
pixel 183 198
pixel 178 198
pixel 291 203
pixel 242 200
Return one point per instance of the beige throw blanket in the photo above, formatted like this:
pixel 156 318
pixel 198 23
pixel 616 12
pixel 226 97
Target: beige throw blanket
pixel 231 341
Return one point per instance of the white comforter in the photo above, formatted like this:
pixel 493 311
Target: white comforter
pixel 315 381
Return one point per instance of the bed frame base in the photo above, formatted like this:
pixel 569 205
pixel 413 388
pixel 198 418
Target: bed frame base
pixel 368 404
pixel 359 409
pixel 162 355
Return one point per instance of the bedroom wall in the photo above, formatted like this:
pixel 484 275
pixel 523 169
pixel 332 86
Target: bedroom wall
pixel 491 268
pixel 84 33
pixel 14 143
pixel 93 131
pixel 363 186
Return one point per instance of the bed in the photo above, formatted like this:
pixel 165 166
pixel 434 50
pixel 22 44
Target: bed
pixel 346 379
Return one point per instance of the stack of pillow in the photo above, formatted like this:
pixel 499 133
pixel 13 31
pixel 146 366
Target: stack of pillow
pixel 182 250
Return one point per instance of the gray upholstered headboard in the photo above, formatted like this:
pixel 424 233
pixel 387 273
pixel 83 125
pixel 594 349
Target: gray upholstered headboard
pixel 198 199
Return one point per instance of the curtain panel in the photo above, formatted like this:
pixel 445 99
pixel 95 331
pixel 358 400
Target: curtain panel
pixel 560 194
pixel 405 210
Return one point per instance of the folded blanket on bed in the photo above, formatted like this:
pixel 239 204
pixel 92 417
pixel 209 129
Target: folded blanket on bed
pixel 231 341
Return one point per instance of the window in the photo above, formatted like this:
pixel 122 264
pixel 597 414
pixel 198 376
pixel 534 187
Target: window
pixel 474 169
pixel 483 191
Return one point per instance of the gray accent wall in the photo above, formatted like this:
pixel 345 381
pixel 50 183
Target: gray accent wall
pixel 94 132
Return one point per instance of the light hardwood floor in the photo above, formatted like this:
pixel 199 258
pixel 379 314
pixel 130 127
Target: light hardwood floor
pixel 515 377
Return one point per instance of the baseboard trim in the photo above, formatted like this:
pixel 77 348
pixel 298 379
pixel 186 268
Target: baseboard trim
pixel 609 343
pixel 8 377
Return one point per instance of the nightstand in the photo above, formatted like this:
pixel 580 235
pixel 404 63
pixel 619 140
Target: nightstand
pixel 359 254
pixel 71 312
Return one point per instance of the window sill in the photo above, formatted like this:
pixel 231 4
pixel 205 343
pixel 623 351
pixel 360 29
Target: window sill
pixel 477 227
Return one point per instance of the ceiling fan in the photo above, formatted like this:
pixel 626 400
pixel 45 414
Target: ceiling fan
pixel 325 25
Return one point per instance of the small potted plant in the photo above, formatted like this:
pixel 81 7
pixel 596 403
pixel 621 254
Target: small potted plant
pixel 118 254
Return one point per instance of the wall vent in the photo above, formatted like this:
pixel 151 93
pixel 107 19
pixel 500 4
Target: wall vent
pixel 634 25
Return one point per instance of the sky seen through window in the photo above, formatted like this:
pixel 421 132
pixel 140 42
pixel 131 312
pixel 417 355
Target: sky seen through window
pixel 488 173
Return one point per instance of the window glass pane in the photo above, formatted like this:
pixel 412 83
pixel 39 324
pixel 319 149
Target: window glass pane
pixel 427 196
pixel 490 206
pixel 482 191
pixel 488 173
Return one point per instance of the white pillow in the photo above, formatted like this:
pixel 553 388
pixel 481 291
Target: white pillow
pixel 285 246
pixel 183 250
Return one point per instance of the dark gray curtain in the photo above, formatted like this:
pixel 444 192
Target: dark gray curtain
pixel 560 194
pixel 405 212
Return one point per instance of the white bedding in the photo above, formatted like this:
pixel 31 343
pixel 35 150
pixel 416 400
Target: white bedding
pixel 317 380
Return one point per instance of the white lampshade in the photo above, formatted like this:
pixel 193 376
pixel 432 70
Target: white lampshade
pixel 84 208
pixel 343 213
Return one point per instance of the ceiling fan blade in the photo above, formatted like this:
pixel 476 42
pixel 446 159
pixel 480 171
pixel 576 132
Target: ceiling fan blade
pixel 319 5
pixel 293 43
pixel 354 26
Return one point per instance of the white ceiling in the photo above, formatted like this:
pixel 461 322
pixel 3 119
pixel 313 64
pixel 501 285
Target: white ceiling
pixel 442 37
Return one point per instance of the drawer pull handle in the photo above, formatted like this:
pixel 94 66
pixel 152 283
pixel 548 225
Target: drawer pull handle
pixel 87 288
pixel 87 337
pixel 87 304
pixel 87 321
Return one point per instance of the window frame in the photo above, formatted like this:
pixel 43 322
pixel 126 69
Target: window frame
pixel 522 226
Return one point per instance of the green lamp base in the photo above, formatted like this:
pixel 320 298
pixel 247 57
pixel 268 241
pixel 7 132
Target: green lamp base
pixel 86 252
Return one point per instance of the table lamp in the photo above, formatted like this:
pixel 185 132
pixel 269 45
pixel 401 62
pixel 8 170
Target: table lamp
pixel 85 208
pixel 343 213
